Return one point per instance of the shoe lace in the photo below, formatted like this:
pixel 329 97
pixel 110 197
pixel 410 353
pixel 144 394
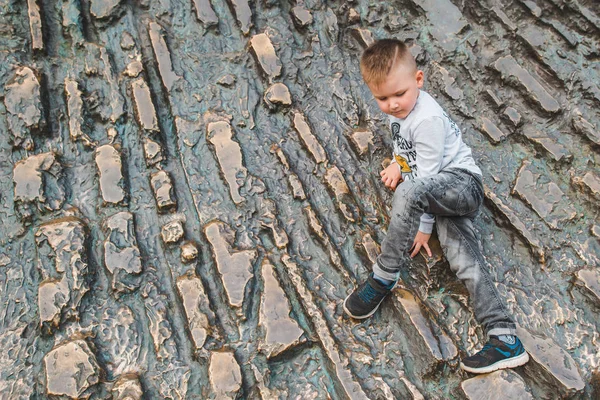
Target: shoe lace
pixel 485 349
pixel 368 293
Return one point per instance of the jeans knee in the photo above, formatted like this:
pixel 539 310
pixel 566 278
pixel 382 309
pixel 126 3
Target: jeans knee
pixel 410 194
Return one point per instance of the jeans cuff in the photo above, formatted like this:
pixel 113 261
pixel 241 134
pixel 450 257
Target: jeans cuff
pixel 503 329
pixel 390 276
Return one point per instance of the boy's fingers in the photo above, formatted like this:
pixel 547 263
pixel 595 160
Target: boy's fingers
pixel 417 247
pixel 428 251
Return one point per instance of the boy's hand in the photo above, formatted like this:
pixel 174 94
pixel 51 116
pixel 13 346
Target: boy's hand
pixel 420 241
pixel 391 176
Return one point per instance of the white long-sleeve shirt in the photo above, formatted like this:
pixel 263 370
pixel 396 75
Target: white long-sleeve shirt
pixel 426 142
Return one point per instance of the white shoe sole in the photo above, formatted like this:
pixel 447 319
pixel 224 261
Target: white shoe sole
pixel 502 364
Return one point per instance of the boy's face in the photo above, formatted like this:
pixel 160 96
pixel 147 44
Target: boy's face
pixel 397 96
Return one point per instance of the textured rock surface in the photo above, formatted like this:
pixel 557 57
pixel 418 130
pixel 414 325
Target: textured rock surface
pixel 120 342
pixel 121 252
pixel 127 389
pixel 248 121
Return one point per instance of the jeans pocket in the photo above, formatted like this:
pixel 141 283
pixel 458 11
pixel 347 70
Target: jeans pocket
pixel 470 198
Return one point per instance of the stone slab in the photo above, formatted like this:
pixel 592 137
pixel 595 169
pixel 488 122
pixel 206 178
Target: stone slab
pixel 71 369
pixel 585 128
pixel 145 111
pixel 205 13
pixel 243 14
pixel 301 16
pixel 536 246
pixel 339 187
pixel 103 9
pixel 552 362
pixel 234 267
pixel 38 183
pixel 281 331
pixel 172 232
pixel 505 383
pixel 62 255
pixel 589 279
pixel 494 134
pixel 225 375
pixel 194 300
pixel 121 253
pixel 162 56
pixel 278 95
pixel 229 155
pixel 546 199
pixel 362 139
pixel 551 146
pixel 265 54
pixel 35 25
pixel 110 171
pixel 590 183
pixel 24 106
pixel 446 21
pixel 308 138
pixel 164 194
pixel 433 348
pixel 510 69
pixel 75 110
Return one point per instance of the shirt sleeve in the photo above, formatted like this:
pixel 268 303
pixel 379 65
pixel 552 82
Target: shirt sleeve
pixel 426 224
pixel 430 141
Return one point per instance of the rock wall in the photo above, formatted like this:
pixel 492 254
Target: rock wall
pixel 189 189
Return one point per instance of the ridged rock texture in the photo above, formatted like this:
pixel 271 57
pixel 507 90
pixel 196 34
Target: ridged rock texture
pixel 190 188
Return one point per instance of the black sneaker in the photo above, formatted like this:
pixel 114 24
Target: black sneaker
pixel 364 301
pixel 496 354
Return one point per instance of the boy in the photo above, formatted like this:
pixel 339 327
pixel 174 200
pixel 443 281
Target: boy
pixel 439 183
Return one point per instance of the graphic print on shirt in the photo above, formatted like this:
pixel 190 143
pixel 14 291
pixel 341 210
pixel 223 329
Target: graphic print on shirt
pixel 401 161
pixel 404 153
pixel 453 125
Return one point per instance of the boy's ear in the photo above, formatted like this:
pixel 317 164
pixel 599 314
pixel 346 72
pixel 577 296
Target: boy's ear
pixel 420 77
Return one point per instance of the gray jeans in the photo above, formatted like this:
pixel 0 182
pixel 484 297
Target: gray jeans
pixel 454 197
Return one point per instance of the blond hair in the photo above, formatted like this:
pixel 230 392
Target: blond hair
pixel 379 58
